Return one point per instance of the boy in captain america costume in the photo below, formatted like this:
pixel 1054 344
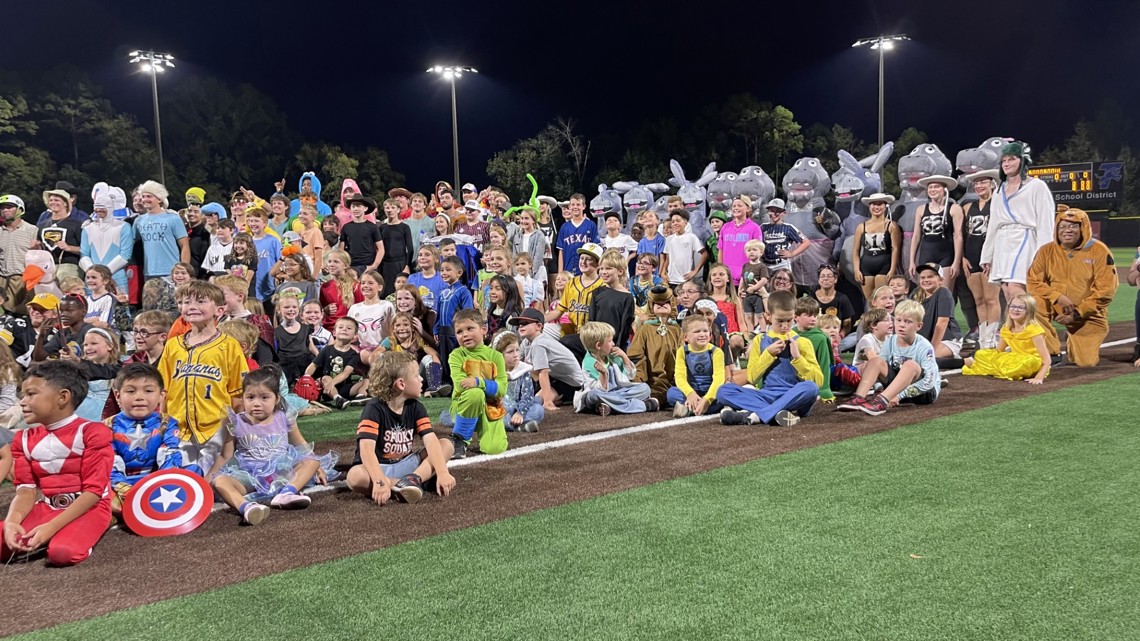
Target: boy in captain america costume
pixel 62 470
pixel 143 439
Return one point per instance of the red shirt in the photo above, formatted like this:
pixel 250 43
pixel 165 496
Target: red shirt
pixel 74 456
pixel 330 295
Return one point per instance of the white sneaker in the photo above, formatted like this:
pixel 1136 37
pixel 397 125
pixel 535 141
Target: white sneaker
pixel 291 501
pixel 680 410
pixel 255 513
pixel 784 418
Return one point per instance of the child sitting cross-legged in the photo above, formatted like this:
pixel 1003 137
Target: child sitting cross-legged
pixel 145 440
pixel 386 462
pixel 524 409
pixel 700 371
pixel 1028 356
pixel 480 378
pixel 876 325
pixel 782 366
pixel 335 364
pixel 609 373
pixel 806 320
pixel 906 365
pixel 844 377
pixel 264 455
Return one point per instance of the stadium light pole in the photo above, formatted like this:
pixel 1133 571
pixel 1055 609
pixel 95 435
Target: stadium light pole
pixel 882 44
pixel 451 73
pixel 154 63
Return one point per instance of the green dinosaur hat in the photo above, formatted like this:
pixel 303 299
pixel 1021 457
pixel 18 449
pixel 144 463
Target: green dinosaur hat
pixel 1021 150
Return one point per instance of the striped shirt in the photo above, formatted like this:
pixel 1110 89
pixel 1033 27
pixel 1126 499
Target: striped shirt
pixel 14 244
pixel 575 303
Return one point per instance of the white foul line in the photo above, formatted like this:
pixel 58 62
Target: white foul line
pixel 583 438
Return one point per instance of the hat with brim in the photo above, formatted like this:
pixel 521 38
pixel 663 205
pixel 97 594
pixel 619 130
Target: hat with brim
pixel 718 215
pixel 362 199
pixel 469 187
pixel 878 197
pixel 399 191
pixel 611 214
pixel 929 267
pixel 44 300
pixel 591 249
pixel 56 192
pixel 68 187
pixel 776 203
pixel 946 181
pixel 528 316
pixel 549 200
pixel 992 174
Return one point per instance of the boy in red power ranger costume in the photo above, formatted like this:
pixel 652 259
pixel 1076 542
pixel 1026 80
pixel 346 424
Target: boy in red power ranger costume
pixel 66 458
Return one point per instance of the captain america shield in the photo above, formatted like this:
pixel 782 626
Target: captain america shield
pixel 168 502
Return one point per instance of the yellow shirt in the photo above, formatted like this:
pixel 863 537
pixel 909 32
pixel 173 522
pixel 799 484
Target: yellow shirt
pixel 201 382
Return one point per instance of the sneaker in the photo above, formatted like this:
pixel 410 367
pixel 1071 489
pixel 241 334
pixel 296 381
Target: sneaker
pixel 409 489
pixel 603 409
pixel 680 410
pixel 358 401
pixel 339 402
pixel 255 513
pixel 855 403
pixel 784 418
pixel 460 448
pixel 529 426
pixel 652 405
pixel 291 501
pixel 876 406
pixel 730 416
pixel 443 392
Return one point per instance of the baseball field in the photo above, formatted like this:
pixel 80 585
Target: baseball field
pixel 1000 512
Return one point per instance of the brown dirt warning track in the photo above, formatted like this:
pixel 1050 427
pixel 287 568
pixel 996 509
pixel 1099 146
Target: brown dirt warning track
pixel 127 571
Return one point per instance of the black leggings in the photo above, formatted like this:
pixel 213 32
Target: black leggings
pixel 872 265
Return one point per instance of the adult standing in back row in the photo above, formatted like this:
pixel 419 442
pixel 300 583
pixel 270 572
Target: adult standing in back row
pixel 1021 221
pixel 735 234
pixel 163 234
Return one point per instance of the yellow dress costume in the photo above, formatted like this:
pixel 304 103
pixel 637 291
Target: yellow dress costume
pixel 1022 361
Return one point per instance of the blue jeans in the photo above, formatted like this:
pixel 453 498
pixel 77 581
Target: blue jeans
pixel 623 400
pixel 675 395
pixel 535 413
pixel 766 402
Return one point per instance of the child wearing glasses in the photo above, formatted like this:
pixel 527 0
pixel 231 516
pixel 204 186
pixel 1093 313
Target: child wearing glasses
pixel 151 331
pixel 1027 358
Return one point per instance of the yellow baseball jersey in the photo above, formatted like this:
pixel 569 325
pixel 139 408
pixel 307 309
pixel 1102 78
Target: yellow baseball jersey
pixel 201 382
pixel 575 302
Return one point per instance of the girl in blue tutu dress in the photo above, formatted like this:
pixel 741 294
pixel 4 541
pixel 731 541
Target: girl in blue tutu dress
pixel 264 455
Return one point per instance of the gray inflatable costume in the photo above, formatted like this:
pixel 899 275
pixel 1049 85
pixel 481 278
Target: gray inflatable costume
pixel 805 185
pixel 985 156
pixel 719 195
pixel 694 196
pixel 754 182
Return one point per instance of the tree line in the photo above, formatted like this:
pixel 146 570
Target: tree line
pixel 59 126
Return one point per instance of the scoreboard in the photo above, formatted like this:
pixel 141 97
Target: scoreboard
pixel 1092 186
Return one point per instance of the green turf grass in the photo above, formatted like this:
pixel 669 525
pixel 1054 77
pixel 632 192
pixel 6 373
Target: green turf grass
pixel 1004 523
pixel 341 424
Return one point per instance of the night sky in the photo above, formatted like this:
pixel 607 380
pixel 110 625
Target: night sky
pixel 353 73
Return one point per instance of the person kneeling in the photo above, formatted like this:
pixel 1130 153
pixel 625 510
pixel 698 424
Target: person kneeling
pixel 782 366
pixel 385 463
pixel 609 371
pixel 905 365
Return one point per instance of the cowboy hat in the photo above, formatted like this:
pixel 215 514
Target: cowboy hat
pixel 399 191
pixel 992 174
pixel 878 197
pixel 362 199
pixel 945 181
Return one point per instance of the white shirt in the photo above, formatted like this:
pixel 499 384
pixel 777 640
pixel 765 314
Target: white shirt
pixel 622 242
pixel 683 251
pixel 216 255
pixel 374 319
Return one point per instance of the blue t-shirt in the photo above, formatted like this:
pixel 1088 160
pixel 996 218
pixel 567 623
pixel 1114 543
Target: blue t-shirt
pixel 655 246
pixel 160 234
pixel 920 351
pixel 268 253
pixel 430 288
pixel 452 299
pixel 571 239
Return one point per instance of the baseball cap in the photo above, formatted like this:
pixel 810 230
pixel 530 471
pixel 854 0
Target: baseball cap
pixel 611 214
pixel 930 267
pixel 591 249
pixel 528 315
pixel 473 205
pixel 776 203
pixel 45 300
pixel 718 215
pixel 469 187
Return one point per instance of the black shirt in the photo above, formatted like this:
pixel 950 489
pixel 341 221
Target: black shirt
pixel 359 240
pixel 332 361
pixel 200 240
pixel 52 232
pixel 397 245
pixel 391 434
pixel 293 347
pixel 615 308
